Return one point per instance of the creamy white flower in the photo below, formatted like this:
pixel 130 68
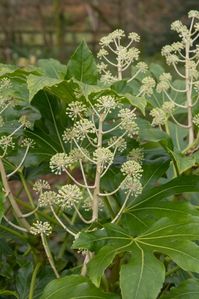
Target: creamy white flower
pixel 68 195
pixel 132 169
pixel 40 227
pixel 40 185
pixel 59 162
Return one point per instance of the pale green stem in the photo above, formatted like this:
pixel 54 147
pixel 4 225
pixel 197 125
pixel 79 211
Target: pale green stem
pixel 61 223
pixel 49 255
pixel 33 280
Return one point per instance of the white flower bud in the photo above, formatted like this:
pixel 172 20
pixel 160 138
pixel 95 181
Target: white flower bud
pixel 133 169
pixel 69 195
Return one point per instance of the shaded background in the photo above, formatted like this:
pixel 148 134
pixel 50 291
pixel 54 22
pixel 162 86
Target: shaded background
pixel 31 29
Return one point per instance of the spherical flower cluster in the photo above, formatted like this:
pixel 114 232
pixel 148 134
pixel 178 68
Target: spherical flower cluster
pixel 168 107
pixel 69 135
pixel 148 83
pixel 27 142
pixel 47 198
pixel 102 52
pixel 196 120
pixel 172 59
pixel 193 14
pixel 192 66
pixel 125 56
pixel 59 162
pixel 177 46
pixel 132 185
pixel 108 78
pixel 75 109
pixel 102 67
pixel 128 123
pixel 81 154
pixel 107 103
pixel 84 127
pixel 87 204
pixel 120 143
pixel 40 185
pixel 162 86
pixel 165 77
pixel 106 40
pixel 159 117
pixel 132 168
pixel 25 122
pixel 6 142
pixel 40 227
pixel 136 154
pixel 134 37
pixel 103 156
pixel 142 66
pixel 68 196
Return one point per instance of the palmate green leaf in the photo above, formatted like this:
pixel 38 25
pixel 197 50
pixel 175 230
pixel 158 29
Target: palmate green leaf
pixel 74 287
pixel 82 65
pixel 153 204
pixel 142 277
pixel 188 289
pixel 170 237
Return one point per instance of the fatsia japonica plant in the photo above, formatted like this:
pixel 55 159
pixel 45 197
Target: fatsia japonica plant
pixel 99 167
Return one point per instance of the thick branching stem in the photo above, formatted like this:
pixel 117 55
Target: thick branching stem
pixel 188 82
pixel 23 222
pixel 97 174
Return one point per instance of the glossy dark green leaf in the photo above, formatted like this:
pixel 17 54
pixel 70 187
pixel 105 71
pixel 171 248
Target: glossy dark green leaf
pixel 188 289
pixel 73 287
pixel 82 66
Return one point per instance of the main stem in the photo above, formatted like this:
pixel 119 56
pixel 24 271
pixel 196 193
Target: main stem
pixel 11 198
pixel 189 94
pixel 97 175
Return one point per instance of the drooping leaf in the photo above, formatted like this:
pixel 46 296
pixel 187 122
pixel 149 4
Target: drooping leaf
pixel 82 66
pixel 74 286
pixel 188 289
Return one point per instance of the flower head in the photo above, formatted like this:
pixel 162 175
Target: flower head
pixel 27 142
pixel 128 123
pixel 132 185
pixel 84 127
pixel 159 116
pixel 75 109
pixel 68 196
pixel 148 83
pixel 47 198
pixel 120 143
pixel 107 103
pixel 40 185
pixel 59 162
pixel 132 168
pixel 77 154
pixel 25 122
pixel 134 37
pixel 103 156
pixel 6 142
pixel 40 227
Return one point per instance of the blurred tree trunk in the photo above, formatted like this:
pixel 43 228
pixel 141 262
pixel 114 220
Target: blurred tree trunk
pixel 59 27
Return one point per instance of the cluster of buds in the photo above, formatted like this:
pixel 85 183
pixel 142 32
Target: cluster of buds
pixel 161 115
pixel 132 182
pixel 124 56
pixel 41 228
